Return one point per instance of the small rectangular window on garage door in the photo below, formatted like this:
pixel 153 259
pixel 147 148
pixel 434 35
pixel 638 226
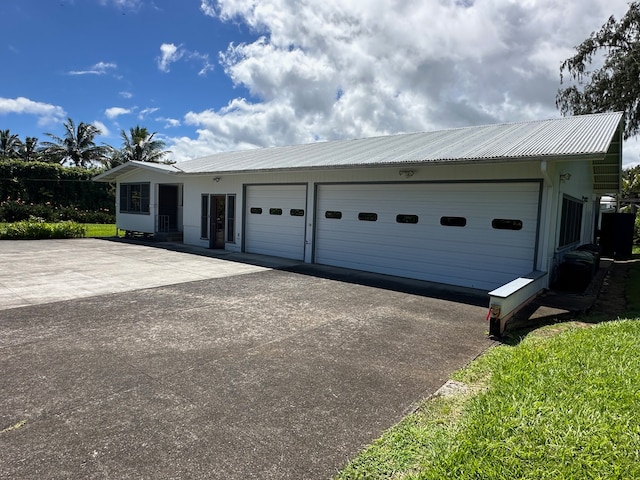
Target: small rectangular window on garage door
pixel 368 216
pixel 256 210
pixel 296 212
pixel 453 221
pixel 333 214
pixel 406 218
pixel 275 211
pixel 506 224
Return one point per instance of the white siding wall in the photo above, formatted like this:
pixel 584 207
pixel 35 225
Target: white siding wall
pixel 141 222
pixel 196 185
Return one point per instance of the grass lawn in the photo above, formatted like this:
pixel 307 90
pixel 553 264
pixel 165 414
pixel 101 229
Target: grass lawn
pixel 100 230
pixel 561 402
pixel 92 230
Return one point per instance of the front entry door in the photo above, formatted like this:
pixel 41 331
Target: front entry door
pixel 216 239
pixel 167 208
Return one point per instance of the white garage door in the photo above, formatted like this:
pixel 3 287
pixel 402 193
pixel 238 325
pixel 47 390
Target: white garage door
pixel 275 220
pixel 479 235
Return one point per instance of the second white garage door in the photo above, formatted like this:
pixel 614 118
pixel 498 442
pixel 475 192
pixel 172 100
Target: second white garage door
pixel 275 220
pixel 479 235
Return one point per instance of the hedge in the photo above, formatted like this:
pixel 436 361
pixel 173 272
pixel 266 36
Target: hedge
pixel 37 229
pixel 53 193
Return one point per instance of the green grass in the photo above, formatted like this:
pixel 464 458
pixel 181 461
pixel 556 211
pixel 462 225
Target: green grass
pixel 35 228
pixel 100 230
pixel 562 403
pixel 30 229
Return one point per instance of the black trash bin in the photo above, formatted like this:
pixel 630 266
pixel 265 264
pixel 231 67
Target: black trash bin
pixel 616 234
pixel 576 271
pixel 594 249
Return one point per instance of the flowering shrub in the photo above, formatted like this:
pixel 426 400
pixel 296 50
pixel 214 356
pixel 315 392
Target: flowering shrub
pixel 53 192
pixel 19 210
pixel 36 228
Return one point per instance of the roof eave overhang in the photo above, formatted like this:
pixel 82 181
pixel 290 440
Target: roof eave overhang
pixel 403 164
pixel 112 175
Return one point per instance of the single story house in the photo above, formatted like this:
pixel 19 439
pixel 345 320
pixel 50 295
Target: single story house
pixel 490 207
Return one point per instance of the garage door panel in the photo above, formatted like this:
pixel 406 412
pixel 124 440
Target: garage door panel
pixel 439 260
pixel 450 274
pixel 475 255
pixel 282 234
pixel 421 239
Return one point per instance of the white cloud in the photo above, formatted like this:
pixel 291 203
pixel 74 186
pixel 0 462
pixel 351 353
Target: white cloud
pixel 208 8
pixel 203 59
pixel 104 131
pixel 100 68
pixel 169 122
pixel 47 114
pixel 145 112
pixel 115 112
pixel 337 69
pixel 126 95
pixel 123 4
pixel 170 53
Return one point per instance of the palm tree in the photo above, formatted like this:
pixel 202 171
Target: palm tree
pixel 77 145
pixel 140 145
pixel 28 151
pixel 9 144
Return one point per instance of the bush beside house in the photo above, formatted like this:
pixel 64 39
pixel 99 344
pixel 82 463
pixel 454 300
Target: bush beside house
pixel 53 193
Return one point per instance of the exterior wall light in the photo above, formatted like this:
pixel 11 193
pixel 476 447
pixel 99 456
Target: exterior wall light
pixel 565 177
pixel 406 173
pixel 216 179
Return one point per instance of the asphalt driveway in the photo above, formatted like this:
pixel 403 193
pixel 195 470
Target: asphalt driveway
pixel 186 365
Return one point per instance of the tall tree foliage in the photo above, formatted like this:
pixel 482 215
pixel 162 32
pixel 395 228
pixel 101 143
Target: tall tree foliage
pixel 614 85
pixel 77 146
pixel 9 144
pixel 141 146
pixel 631 182
pixel 28 150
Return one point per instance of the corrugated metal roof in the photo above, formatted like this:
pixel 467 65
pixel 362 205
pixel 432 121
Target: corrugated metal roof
pixel 583 135
pixel 111 175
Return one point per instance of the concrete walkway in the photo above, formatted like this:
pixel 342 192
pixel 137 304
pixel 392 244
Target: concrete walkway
pixel 163 364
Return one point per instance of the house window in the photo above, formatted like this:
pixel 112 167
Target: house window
pixel 256 210
pixel 506 224
pixel 406 218
pixel 453 221
pixel 333 214
pixel 368 216
pixel 571 221
pixel 231 218
pixel 204 216
pixel 275 211
pixel 134 198
pixel 296 212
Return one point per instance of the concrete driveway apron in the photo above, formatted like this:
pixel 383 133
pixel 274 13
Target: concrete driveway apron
pixel 214 369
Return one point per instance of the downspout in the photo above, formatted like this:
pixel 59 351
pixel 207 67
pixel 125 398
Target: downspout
pixel 547 242
pixel 545 174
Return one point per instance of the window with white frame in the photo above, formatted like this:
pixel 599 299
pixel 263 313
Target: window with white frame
pixel 231 218
pixel 204 217
pixel 571 221
pixel 134 197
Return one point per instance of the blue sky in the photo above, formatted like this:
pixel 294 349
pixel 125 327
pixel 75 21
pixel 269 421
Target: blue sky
pixel 217 75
